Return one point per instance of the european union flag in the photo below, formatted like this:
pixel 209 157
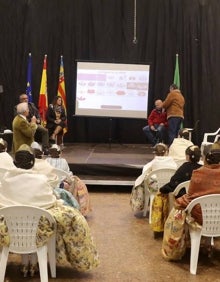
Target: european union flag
pixel 29 71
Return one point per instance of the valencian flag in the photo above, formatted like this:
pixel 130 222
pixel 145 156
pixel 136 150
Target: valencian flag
pixel 43 101
pixel 29 72
pixel 176 79
pixel 61 87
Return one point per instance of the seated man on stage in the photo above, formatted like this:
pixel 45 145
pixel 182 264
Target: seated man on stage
pixel 33 111
pixel 155 131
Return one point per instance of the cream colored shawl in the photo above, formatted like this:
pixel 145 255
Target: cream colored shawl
pixel 25 187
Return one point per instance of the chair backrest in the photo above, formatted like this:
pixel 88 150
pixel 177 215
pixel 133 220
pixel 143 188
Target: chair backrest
pixel 191 129
pixel 22 222
pixel 211 135
pixel 173 194
pixel 162 176
pixel 210 206
pixel 217 137
pixel 184 184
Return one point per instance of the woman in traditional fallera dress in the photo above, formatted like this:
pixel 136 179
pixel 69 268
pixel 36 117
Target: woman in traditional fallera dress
pixel 204 181
pixel 74 242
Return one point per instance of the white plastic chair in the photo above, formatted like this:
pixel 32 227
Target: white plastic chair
pixel 22 223
pixel 209 138
pixel 210 206
pixel 162 176
pixel 173 194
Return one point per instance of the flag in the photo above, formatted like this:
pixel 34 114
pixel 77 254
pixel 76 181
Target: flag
pixel 29 72
pixel 176 79
pixel 61 87
pixel 43 101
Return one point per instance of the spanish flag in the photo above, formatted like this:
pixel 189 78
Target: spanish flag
pixel 61 87
pixel 43 100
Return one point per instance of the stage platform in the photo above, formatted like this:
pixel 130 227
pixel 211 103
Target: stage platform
pixel 107 164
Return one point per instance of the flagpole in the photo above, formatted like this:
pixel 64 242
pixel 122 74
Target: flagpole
pixel 43 100
pixel 29 79
pixel 176 79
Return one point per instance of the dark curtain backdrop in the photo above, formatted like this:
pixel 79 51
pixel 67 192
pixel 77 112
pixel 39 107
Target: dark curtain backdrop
pixel 103 30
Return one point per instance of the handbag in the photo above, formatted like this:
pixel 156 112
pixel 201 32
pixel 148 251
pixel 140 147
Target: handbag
pixel 174 238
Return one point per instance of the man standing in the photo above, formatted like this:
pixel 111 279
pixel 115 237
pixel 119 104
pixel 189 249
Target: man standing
pixel 155 131
pixel 174 105
pixel 23 130
pixel 33 111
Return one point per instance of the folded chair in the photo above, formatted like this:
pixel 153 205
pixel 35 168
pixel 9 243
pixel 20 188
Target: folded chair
pixel 161 176
pixel 210 206
pixel 22 223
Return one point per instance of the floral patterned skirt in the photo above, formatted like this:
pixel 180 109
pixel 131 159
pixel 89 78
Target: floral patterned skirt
pixel 74 242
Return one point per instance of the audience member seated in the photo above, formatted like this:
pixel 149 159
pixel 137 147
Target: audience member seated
pixel 179 145
pixel 6 161
pixel 43 167
pixel 56 118
pixel 161 160
pixel 155 131
pixel 204 181
pixel 73 183
pixel 22 186
pixel 160 208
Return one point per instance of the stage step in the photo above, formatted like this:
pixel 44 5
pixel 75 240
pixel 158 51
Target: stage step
pixel 109 182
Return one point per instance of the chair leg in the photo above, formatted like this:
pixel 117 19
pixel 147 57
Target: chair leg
pixel 42 261
pixel 151 204
pixel 3 262
pixel 146 203
pixel 52 255
pixel 195 237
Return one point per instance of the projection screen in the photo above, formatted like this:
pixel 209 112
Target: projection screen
pixel 112 89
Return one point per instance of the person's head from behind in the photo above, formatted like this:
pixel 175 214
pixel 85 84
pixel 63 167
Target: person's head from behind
pixel 54 151
pixel 216 145
pixel 158 104
pixel 213 156
pixel 37 150
pixel 3 145
pixel 173 87
pixel 193 154
pixel 206 150
pixel 24 158
pixel 183 133
pixel 23 98
pixel 22 109
pixel 161 149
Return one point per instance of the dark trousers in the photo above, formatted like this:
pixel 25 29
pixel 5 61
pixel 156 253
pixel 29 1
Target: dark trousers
pixel 174 124
pixel 157 136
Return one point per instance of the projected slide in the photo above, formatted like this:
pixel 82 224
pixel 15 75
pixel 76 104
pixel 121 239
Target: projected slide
pixel 112 90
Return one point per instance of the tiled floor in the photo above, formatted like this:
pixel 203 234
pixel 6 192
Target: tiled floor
pixel 128 252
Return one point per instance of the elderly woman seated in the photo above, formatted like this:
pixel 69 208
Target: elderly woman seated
pixel 24 186
pixel 204 181
pixel 160 160
pixel 72 183
pixel 160 208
